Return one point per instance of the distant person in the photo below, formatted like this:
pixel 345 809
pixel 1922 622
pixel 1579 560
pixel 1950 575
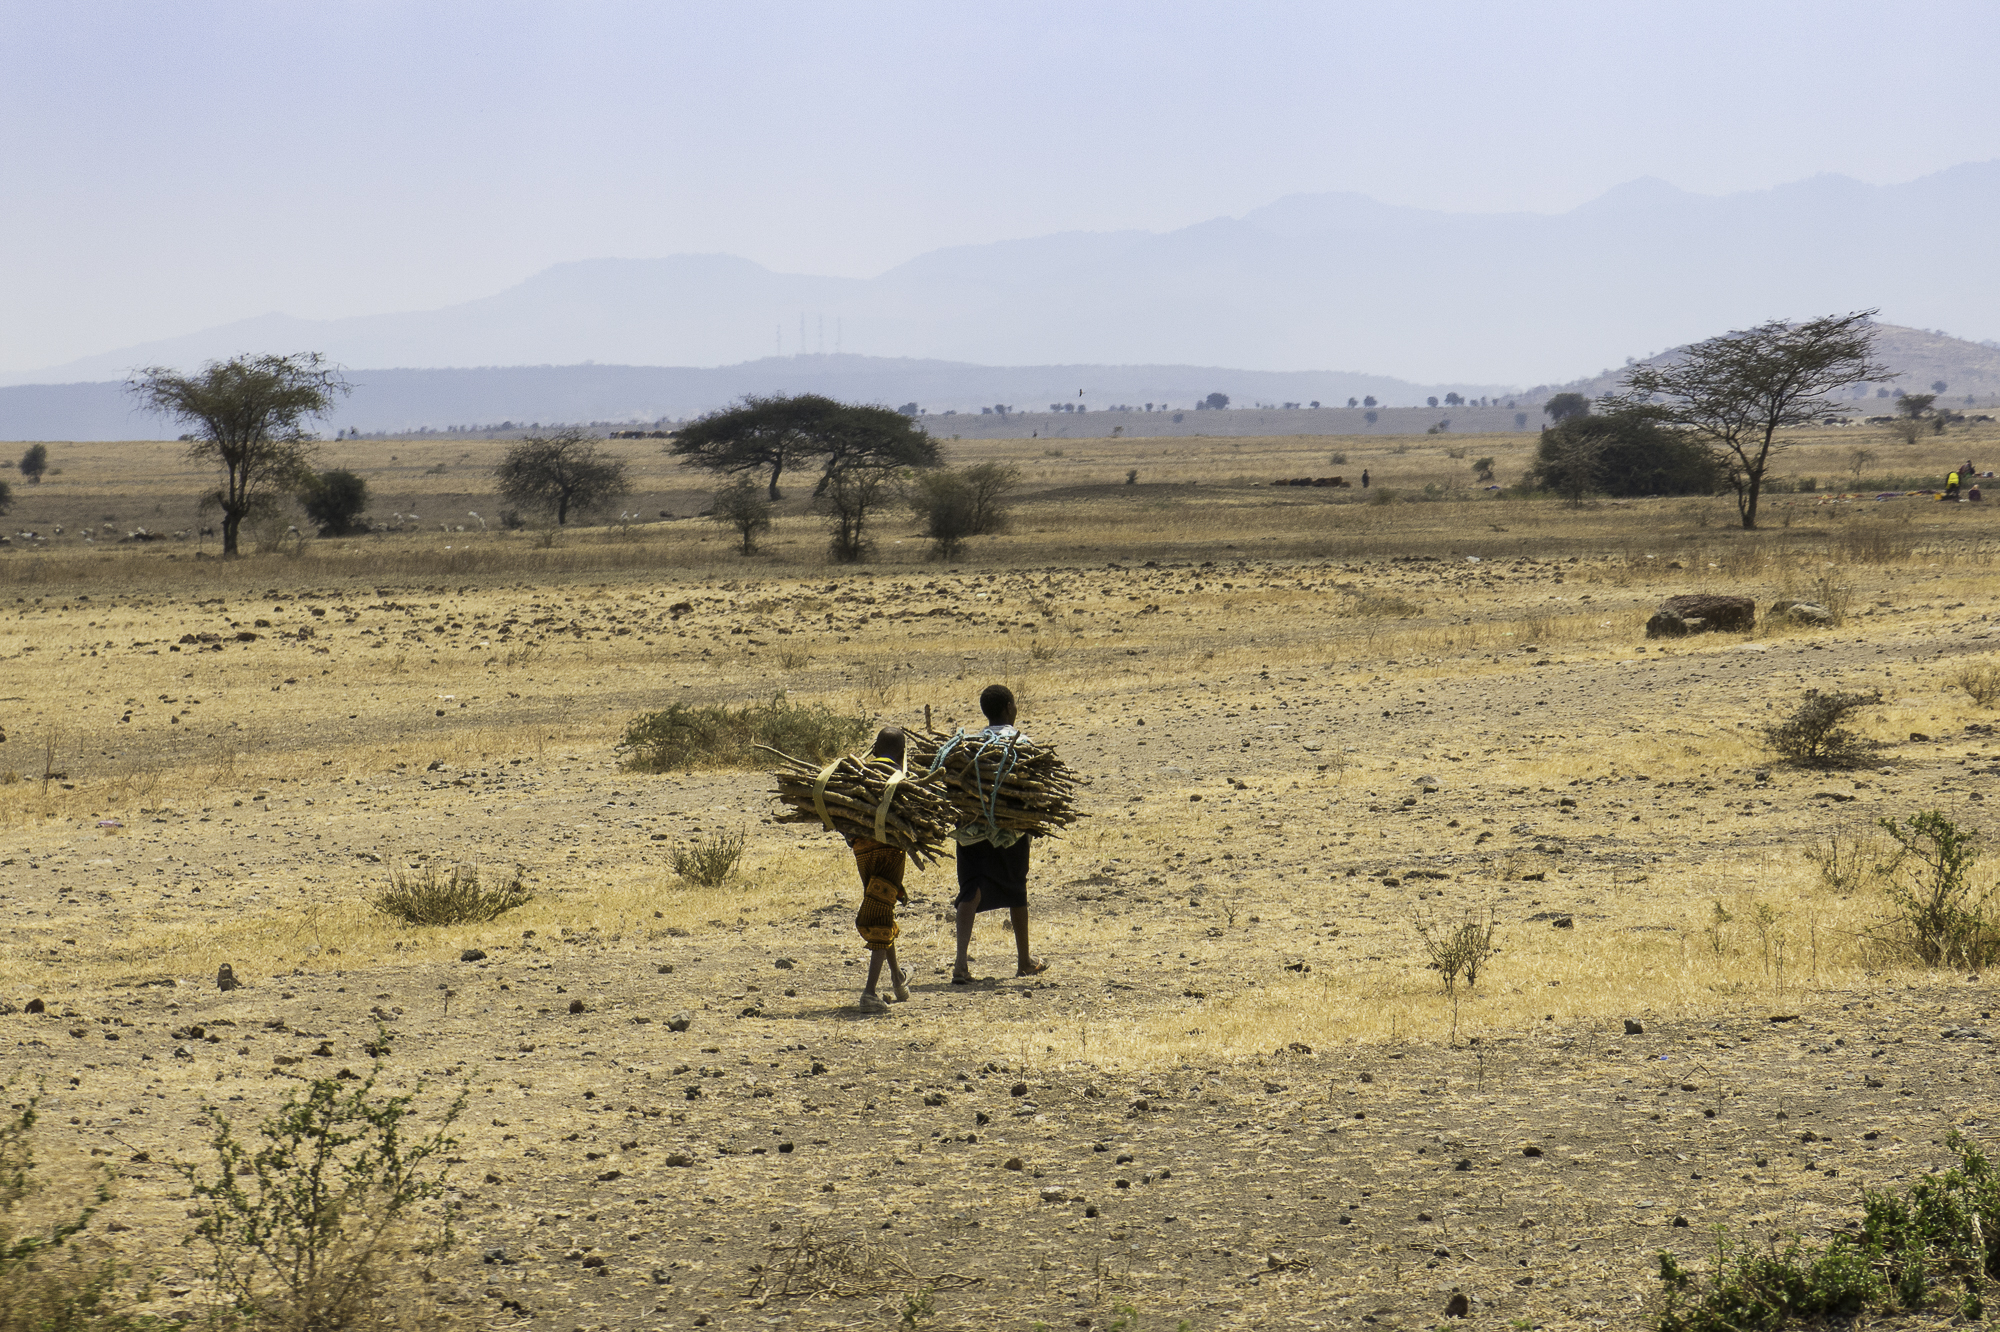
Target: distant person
pixel 1951 486
pixel 881 867
pixel 1973 494
pixel 993 863
pixel 1364 478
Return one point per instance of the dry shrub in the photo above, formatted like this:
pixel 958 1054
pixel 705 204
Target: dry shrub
pixel 46 1283
pixel 710 861
pixel 817 1263
pixel 1980 680
pixel 1847 860
pixel 1378 605
pixel 1869 542
pixel 460 895
pixel 327 1218
pixel 1942 918
pixel 682 736
pixel 1813 736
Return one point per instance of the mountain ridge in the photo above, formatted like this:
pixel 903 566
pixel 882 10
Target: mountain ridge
pixel 1304 281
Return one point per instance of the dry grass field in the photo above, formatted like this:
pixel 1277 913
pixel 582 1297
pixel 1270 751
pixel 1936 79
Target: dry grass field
pixel 1313 720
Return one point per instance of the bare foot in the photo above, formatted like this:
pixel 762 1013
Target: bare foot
pixel 871 1003
pixel 1031 968
pixel 900 987
pixel 961 976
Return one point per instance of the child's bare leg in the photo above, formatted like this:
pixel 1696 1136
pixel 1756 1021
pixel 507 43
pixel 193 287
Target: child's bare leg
pixel 1024 964
pixel 871 1002
pixel 968 915
pixel 899 983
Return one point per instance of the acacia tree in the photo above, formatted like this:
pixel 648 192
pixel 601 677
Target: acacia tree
pixel 249 416
pixel 779 434
pixel 559 472
pixel 739 505
pixel 852 496
pixel 34 462
pixel 1735 392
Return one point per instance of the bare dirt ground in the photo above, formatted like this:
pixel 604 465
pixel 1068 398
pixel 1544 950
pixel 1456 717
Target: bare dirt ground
pixel 1237 1099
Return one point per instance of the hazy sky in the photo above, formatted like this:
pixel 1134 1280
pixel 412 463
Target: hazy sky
pixel 171 166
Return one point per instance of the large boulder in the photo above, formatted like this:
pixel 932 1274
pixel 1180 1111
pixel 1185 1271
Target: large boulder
pixel 1728 614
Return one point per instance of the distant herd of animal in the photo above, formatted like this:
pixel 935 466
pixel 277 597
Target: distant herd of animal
pixel 1331 481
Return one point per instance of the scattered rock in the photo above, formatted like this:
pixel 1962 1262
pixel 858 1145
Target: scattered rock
pixel 1634 1028
pixel 680 1022
pixel 1716 612
pixel 576 1005
pixel 225 979
pixel 1531 1150
pixel 1018 1089
pixel 1055 1195
pixel 473 955
pixel 1013 1163
pixel 784 964
pixel 1458 1306
pixel 37 1006
pixel 1563 923
pixel 1680 1223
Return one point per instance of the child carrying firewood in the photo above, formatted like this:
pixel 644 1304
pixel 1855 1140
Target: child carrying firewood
pixel 881 868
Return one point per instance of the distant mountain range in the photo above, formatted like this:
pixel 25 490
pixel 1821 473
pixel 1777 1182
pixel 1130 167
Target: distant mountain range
pixel 509 397
pixel 1262 402
pixel 1312 280
pixel 1920 357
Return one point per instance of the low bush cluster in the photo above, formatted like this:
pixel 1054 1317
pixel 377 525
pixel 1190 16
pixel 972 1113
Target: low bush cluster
pixel 1813 736
pixel 461 895
pixel 326 1217
pixel 710 861
pixel 683 736
pixel 1934 1250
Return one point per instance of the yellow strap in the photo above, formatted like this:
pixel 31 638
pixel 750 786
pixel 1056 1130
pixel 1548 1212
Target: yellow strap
pixel 819 794
pixel 882 809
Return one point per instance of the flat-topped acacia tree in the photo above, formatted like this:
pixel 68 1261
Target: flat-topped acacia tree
pixel 249 416
pixel 786 433
pixel 1734 393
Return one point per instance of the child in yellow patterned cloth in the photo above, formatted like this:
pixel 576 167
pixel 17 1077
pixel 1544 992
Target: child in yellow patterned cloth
pixel 881 868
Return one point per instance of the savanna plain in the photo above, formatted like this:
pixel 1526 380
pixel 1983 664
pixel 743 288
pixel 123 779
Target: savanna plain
pixel 1315 723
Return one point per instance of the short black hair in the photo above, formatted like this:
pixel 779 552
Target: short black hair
pixel 995 700
pixel 890 745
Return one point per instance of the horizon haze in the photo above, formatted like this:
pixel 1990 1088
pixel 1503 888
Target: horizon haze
pixel 1251 185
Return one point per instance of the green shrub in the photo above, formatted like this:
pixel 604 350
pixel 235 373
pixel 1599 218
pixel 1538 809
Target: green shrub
pixel 46 1282
pixel 682 737
pixel 1945 920
pixel 1813 736
pixel 1931 1250
pixel 310 1224
pixel 460 895
pixel 710 861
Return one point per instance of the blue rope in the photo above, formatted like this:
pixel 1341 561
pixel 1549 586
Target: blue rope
pixel 989 802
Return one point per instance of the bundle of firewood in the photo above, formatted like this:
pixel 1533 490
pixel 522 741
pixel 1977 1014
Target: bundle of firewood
pixel 919 817
pixel 1019 785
